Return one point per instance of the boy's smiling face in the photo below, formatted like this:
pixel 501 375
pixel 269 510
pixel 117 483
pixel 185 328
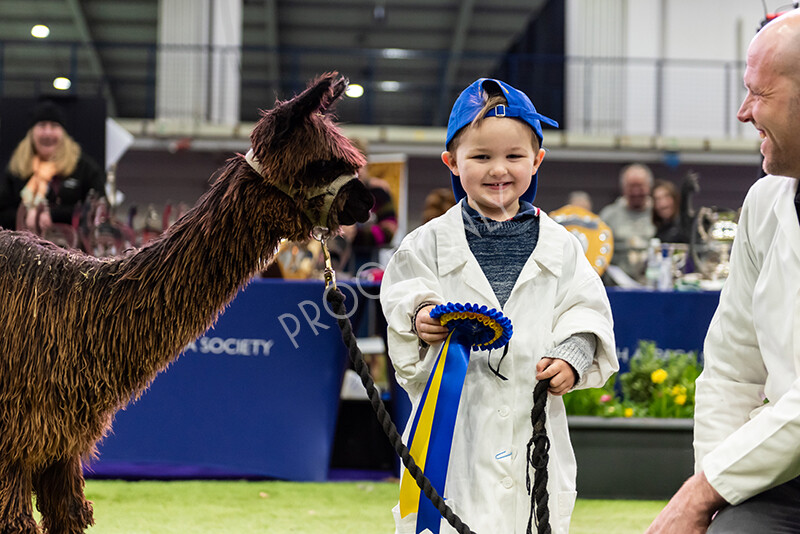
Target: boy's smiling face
pixel 495 161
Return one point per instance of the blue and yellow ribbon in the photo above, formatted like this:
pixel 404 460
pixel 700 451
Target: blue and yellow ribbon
pixel 431 434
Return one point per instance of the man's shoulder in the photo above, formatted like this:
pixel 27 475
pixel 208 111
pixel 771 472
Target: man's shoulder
pixel 616 208
pixel 769 201
pixel 772 182
pixel 618 214
pixel 768 189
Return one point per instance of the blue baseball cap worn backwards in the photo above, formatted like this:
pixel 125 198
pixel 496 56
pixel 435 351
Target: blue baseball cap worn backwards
pixel 469 104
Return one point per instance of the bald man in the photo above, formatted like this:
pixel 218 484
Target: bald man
pixel 747 416
pixel 630 218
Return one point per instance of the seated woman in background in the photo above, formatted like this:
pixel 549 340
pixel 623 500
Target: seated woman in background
pixel 48 175
pixel 670 226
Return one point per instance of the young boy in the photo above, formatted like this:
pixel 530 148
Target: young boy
pixel 495 248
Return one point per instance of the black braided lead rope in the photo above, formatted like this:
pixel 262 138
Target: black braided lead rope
pixel 336 298
pixel 538 457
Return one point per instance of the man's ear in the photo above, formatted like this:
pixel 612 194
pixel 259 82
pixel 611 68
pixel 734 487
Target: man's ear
pixel 449 159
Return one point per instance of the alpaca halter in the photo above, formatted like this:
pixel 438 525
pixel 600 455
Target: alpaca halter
pixel 330 191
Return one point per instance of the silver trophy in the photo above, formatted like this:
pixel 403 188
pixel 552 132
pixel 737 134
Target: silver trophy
pixel 715 229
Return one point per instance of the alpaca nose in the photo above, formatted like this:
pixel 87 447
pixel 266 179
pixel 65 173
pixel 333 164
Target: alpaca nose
pixel 358 204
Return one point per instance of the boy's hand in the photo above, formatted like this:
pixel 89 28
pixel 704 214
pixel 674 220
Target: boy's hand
pixel 429 330
pixel 560 373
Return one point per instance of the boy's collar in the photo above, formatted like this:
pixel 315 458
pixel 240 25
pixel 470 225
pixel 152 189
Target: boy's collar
pixel 526 211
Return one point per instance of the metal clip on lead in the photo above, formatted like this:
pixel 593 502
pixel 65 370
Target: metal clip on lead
pixel 321 234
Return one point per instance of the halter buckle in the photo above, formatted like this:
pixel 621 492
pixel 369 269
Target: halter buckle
pixel 321 234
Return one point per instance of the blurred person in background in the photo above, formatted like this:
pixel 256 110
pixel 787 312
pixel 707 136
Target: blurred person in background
pixel 48 175
pixel 673 216
pixel 364 240
pixel 666 215
pixel 437 202
pixel 630 218
pixel 580 199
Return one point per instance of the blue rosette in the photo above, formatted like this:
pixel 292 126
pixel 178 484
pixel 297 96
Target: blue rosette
pixel 485 328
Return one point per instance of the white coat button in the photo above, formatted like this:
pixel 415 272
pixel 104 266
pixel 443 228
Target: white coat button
pixel 507 482
pixel 504 411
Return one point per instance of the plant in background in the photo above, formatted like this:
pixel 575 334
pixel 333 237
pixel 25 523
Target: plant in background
pixel 594 401
pixel 658 384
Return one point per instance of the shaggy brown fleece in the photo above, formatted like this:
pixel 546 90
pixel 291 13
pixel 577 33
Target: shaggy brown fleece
pixel 81 337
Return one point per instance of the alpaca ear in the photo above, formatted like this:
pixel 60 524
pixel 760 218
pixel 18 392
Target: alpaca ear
pixel 337 90
pixel 288 114
pixel 314 99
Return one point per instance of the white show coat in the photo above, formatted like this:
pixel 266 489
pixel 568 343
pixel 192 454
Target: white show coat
pixel 556 295
pixel 752 352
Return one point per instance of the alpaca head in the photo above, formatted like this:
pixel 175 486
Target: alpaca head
pixel 297 147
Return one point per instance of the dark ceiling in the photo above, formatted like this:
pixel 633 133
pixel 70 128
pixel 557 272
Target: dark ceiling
pixel 426 49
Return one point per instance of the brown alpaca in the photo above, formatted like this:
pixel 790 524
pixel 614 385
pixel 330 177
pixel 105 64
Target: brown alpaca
pixel 81 337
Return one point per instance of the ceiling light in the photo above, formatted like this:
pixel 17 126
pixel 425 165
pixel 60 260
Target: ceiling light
pixel 379 13
pixel 40 31
pixel 61 83
pixel 354 90
pixel 396 53
pixel 389 86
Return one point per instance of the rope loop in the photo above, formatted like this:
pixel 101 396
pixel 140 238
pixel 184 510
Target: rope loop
pixel 336 298
pixel 538 458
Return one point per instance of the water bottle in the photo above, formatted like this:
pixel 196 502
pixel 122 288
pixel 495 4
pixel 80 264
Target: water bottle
pixel 653 266
pixel 665 282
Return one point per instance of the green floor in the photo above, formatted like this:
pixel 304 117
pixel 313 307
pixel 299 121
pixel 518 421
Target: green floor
pixel 289 507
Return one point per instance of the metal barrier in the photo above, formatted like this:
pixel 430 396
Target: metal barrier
pixel 591 95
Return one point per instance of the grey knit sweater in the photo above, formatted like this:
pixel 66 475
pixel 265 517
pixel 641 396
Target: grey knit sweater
pixel 502 248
